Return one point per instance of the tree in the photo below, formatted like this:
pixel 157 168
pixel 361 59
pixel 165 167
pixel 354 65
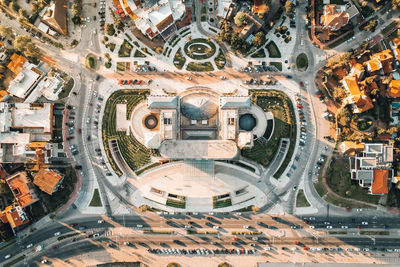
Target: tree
pixel 370 80
pixel 392 130
pixel 109 29
pixel 6 31
pixel 386 79
pixel 339 93
pixel 77 8
pixel 255 209
pixel 34 7
pixel 2 69
pixel 288 7
pixel 32 51
pixel 118 23
pixel 344 116
pixel 22 13
pixel 395 4
pixel 240 18
pixel 14 6
pixel 5 2
pixel 259 39
pixel 189 38
pixel 208 51
pixel 20 42
pixel 371 25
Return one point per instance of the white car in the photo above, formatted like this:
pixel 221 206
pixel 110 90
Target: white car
pixel 344 227
pixel 94 31
pixel 44 261
pixel 267 248
pixel 100 221
pixel 359 210
pixel 364 223
pixel 312 226
pixel 223 77
pixel 349 249
pixel 329 227
pixel 245 226
pixel 127 243
pixel 57 234
pixel 216 227
pixel 188 78
pixel 7 256
pixel 29 246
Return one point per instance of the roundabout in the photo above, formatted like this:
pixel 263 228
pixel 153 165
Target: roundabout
pixel 199 49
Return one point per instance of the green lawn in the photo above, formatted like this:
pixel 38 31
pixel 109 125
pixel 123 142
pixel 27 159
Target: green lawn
pixel 220 60
pixel 179 60
pixel 278 65
pixel 138 54
pixel 135 154
pixel 302 61
pixel 345 203
pixel 301 200
pixel 259 54
pixel 125 49
pixel 176 203
pixel 221 203
pixel 280 105
pixel 273 50
pixel 338 179
pixel 96 200
pixel 201 67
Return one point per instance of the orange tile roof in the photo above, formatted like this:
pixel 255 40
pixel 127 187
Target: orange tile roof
pixel 374 65
pixel 380 183
pixel 352 85
pixel 46 180
pixel 396 41
pixel 10 215
pixel 350 147
pixel 334 19
pixel 398 54
pixel 22 188
pixel 16 63
pixel 383 55
pixel 361 100
pixel 3 93
pixel 394 88
pixel 357 70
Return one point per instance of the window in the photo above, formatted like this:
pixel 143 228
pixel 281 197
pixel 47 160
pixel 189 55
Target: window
pixel 167 121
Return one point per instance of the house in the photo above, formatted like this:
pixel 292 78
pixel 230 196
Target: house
pixel 380 60
pixel 21 125
pixel 334 17
pixel 22 189
pixel 372 167
pixel 48 181
pixel 16 63
pixel 14 215
pixel 357 98
pixel 154 17
pixel 56 16
pixel 3 52
pixel 25 82
pixel 395 113
pixel 394 88
pixel 396 48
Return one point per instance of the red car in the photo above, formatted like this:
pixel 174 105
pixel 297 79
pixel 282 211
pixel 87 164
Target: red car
pixel 348 209
pixel 120 82
pixel 301 83
pixel 306 248
pixel 73 224
pixel 79 130
pixel 360 226
pixel 299 106
pixel 295 242
pixel 140 82
pixel 130 81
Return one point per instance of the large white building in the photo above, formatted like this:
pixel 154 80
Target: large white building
pixel 154 17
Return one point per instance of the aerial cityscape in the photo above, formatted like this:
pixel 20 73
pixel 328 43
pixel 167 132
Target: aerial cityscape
pixel 200 133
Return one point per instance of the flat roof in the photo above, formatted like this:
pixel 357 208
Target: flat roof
pixel 25 116
pixel 24 81
pixel 198 149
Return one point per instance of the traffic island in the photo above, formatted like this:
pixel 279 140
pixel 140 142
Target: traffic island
pixel 199 49
pixel 90 62
pixel 302 62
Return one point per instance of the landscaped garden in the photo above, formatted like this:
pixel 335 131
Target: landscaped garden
pixel 302 62
pixel 280 105
pixel 205 66
pixel 220 60
pixel 96 200
pixel 179 59
pixel 125 49
pixel 277 65
pixel 138 54
pixel 199 49
pixel 364 124
pixel 90 62
pixel 273 50
pixel 134 153
pixel 259 54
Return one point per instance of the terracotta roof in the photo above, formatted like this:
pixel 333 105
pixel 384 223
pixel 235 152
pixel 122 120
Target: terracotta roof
pixel 398 54
pixel 22 188
pixel 11 215
pixel 16 63
pixel 46 180
pixel 334 18
pixel 363 103
pixel 373 65
pixel 380 183
pixel 352 85
pixel 383 55
pixel 396 41
pixel 394 88
pixel 357 70
pixel 163 25
pixel 129 10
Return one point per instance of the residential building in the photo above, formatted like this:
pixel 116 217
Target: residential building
pixel 372 167
pixel 22 189
pixel 155 17
pixel 16 63
pixel 334 17
pixel 14 215
pixel 25 82
pixel 56 16
pixel 394 88
pixel 381 60
pixel 395 113
pixel 359 101
pixel 3 52
pixel 48 181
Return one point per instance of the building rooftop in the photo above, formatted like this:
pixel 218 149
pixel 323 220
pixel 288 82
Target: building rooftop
pixel 23 83
pixel 26 116
pixel 56 16
pixel 22 189
pixel 380 183
pixel 15 216
pixel 16 63
pixel 47 180
pixel 334 16
pixel 227 102
pixel 394 88
pixel 162 102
